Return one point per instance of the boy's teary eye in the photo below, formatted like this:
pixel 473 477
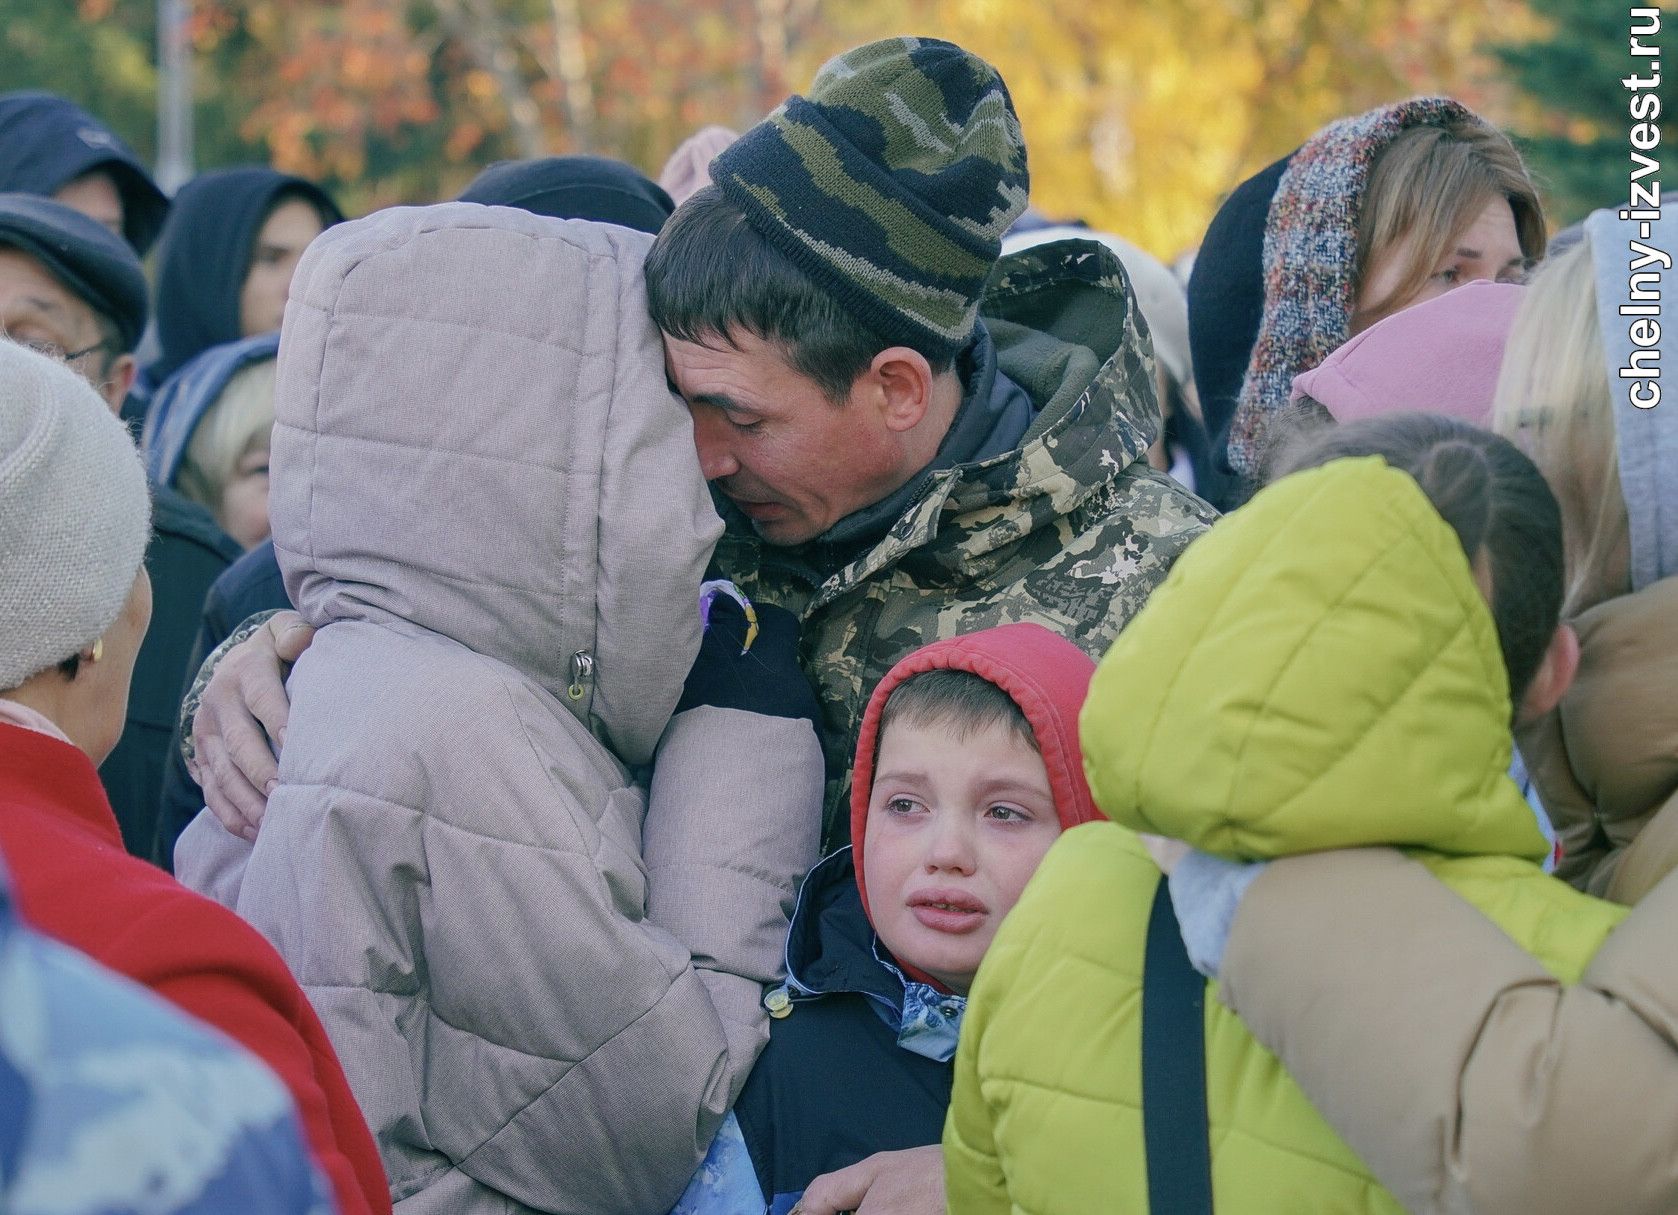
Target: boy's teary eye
pixel 900 805
pixel 1009 814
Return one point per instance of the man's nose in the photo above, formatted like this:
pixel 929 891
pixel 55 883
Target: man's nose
pixel 710 437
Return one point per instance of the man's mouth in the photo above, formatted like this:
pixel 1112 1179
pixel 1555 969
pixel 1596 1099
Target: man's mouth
pixel 759 509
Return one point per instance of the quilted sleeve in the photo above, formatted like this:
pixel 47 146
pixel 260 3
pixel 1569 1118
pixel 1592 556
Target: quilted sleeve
pixel 733 820
pixel 1464 1075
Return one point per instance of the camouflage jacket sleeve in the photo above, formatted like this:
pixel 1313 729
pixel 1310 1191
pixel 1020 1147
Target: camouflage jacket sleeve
pixel 195 694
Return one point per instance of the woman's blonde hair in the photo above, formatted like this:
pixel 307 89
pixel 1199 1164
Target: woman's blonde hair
pixel 240 421
pixel 1553 400
pixel 1427 186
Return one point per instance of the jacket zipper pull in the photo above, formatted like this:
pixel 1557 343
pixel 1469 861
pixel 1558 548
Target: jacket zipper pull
pixel 582 674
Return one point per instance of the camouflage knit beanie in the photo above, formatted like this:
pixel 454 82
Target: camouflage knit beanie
pixel 1310 246
pixel 890 185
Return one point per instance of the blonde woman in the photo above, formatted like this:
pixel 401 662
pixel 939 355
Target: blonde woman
pixel 208 431
pixel 1606 763
pixel 1372 214
pixel 1534 1095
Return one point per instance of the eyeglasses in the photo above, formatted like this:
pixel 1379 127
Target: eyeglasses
pixel 54 351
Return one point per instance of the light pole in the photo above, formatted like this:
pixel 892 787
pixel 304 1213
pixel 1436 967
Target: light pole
pixel 174 96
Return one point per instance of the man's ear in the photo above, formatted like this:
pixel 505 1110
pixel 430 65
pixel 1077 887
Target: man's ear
pixel 119 378
pixel 1554 676
pixel 901 382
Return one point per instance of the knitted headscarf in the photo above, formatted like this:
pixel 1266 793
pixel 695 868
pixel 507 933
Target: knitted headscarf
pixel 1310 247
pixel 890 185
pixel 689 168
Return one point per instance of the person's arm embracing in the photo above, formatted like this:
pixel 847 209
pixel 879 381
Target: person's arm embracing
pixel 734 817
pixel 1463 1073
pixel 233 717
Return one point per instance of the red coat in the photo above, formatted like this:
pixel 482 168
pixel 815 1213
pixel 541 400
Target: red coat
pixel 74 881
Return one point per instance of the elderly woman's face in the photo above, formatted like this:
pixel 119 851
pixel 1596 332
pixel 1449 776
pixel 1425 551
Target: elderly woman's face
pixel 108 679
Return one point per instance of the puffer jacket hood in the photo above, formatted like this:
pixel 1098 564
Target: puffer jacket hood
pixel 181 403
pixel 1047 676
pixel 1293 678
pixel 403 489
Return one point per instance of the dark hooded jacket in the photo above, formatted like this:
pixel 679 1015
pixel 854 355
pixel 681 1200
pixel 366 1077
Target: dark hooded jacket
pixel 47 142
pixel 574 187
pixel 1226 303
pixel 187 553
pixel 206 253
pixel 860 1050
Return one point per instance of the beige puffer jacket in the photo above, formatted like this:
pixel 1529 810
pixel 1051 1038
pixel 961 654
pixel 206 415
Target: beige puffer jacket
pixel 543 977
pixel 1464 1074
pixel 1606 761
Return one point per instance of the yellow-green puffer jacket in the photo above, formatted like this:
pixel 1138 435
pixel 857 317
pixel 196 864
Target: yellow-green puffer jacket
pixel 1318 671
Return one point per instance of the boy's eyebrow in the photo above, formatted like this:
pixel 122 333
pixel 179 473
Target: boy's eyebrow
pixel 899 774
pixel 986 787
pixel 1016 785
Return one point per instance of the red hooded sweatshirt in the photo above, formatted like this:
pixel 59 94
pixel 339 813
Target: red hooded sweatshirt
pixel 74 882
pixel 1044 674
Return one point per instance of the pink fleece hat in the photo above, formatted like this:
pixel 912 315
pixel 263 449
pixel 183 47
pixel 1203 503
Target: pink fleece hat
pixel 1439 356
pixel 689 168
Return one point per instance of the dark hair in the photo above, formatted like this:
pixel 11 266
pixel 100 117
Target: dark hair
pixel 71 666
pixel 1300 420
pixel 960 700
pixel 710 277
pixel 1494 498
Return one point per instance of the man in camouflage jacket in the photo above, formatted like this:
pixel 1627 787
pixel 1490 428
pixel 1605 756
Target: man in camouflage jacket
pixel 1072 529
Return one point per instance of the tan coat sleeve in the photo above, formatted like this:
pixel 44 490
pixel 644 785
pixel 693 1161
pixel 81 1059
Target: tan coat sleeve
pixel 1466 1077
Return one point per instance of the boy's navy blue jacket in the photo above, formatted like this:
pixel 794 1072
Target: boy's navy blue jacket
pixel 859 1059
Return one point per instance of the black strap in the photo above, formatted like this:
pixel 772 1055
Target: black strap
pixel 1174 1127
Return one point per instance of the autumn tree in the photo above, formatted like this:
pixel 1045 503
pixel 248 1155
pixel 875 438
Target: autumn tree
pixel 1139 116
pixel 1574 133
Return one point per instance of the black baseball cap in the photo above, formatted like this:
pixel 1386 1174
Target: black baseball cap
pixel 95 263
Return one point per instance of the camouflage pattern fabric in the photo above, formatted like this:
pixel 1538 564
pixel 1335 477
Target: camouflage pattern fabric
pixel 1071 530
pixel 195 694
pixel 890 185
pixel 112 1101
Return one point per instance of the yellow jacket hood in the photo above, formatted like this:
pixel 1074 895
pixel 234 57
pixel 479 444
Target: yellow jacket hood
pixel 1326 636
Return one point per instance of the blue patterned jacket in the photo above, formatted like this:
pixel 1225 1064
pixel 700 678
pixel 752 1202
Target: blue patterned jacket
pixel 113 1102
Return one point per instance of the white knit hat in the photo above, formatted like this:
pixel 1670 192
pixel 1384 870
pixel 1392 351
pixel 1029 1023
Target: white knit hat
pixel 75 514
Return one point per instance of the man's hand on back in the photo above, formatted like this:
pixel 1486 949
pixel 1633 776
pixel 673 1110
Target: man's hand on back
pixel 244 706
pixel 909 1182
